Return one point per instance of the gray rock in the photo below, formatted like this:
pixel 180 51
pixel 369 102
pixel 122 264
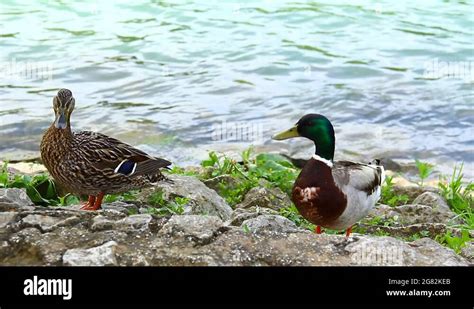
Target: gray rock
pixel 203 201
pixel 468 251
pixel 69 221
pixel 383 211
pixel 238 248
pixel 14 199
pixel 19 251
pixel 427 229
pixel 227 181
pixel 201 228
pixel 434 200
pixel 44 223
pixel 103 255
pixel 47 223
pixel 412 214
pixel 6 218
pixel 5 250
pixel 200 240
pixel 270 223
pixel 113 213
pixel 430 248
pixel 412 191
pixel 388 251
pixel 408 220
pixel 122 207
pixel 272 198
pixel 64 236
pixel 31 247
pixel 241 214
pixel 61 212
pixel 143 210
pixel 101 223
pixel 136 222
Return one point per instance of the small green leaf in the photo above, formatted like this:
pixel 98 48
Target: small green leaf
pixel 424 170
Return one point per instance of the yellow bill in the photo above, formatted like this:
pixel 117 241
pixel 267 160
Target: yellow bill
pixel 293 132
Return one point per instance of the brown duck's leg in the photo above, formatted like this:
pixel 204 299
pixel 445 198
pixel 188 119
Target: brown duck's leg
pixel 348 232
pixel 98 201
pixel 89 204
pixel 317 230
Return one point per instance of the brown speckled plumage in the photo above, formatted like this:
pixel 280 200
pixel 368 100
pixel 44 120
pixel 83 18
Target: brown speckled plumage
pixel 87 163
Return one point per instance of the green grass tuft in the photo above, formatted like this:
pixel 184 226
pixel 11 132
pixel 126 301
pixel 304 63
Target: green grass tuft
pixel 424 170
pixel 292 214
pixel 389 197
pixel 459 196
pixel 276 170
pixel 124 197
pixel 39 188
pixel 454 242
pixel 162 207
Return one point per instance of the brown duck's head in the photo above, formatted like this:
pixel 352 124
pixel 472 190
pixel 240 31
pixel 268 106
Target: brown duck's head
pixel 317 128
pixel 63 104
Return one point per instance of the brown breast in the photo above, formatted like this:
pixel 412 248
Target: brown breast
pixel 316 196
pixel 54 146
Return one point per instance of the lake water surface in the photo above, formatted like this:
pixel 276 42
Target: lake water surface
pixel 178 78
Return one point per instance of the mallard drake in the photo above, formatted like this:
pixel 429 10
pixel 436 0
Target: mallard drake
pixel 93 164
pixel 330 194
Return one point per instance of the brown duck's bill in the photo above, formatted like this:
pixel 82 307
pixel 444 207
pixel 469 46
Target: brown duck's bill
pixel 293 132
pixel 60 122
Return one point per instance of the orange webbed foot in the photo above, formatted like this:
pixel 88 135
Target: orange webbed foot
pixel 89 204
pixel 93 203
pixel 348 232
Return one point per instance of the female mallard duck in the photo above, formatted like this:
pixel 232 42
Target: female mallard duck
pixel 93 164
pixel 331 194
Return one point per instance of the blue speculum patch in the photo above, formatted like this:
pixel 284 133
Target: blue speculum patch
pixel 126 168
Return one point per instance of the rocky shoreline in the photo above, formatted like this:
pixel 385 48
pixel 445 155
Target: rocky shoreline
pixel 210 232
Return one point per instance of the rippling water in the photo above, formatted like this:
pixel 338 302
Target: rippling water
pixel 396 79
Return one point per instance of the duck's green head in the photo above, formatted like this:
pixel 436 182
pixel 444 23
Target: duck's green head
pixel 316 128
pixel 63 104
